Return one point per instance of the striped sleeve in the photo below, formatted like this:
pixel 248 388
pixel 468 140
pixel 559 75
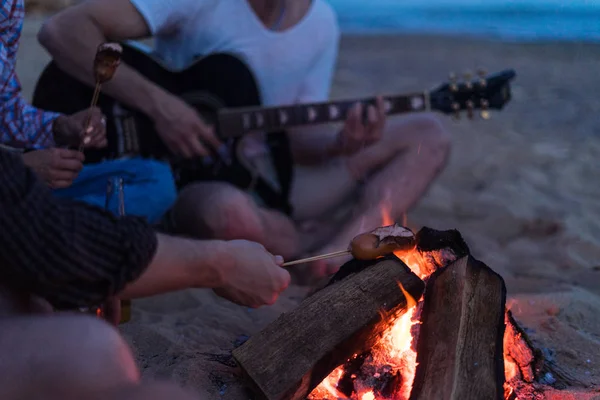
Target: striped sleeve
pixel 68 252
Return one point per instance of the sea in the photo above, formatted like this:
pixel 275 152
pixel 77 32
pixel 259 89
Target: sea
pixel 508 20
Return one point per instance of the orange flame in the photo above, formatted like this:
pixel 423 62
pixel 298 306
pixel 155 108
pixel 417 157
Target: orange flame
pixel 395 348
pixel 386 218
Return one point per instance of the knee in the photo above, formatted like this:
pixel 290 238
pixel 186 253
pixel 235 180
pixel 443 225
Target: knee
pixel 102 355
pixel 431 137
pixel 64 356
pixel 218 211
pixel 433 131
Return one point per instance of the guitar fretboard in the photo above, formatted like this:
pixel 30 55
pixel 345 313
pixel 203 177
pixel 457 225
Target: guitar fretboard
pixel 236 122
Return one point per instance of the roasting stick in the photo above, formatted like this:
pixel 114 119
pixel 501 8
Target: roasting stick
pixel 379 242
pixel 89 118
pixel 320 257
pixel 108 58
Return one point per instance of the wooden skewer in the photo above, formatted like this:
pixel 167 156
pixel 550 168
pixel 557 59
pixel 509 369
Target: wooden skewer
pixel 89 119
pixel 315 258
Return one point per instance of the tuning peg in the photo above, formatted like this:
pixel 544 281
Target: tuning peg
pixel 485 113
pixel 468 76
pixel 456 108
pixel 470 106
pixel 482 81
pixel 453 85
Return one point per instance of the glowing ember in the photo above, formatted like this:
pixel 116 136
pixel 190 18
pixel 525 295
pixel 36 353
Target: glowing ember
pixel 394 354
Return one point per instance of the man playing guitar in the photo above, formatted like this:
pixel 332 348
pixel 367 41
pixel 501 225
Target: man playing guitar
pixel 291 46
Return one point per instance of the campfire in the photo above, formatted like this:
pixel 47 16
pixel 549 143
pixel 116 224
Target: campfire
pixel 430 323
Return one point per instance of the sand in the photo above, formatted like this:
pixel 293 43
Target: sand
pixel 523 188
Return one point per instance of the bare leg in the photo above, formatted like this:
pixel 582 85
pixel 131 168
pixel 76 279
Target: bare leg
pixel 219 210
pixel 61 356
pixel 397 171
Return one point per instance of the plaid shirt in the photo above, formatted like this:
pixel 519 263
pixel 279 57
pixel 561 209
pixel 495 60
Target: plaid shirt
pixel 21 124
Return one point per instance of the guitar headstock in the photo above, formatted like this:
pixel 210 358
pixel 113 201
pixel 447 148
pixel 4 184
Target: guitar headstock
pixel 486 93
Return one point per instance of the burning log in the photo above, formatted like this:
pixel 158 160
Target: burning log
pixel 460 345
pixel 298 350
pixel 439 248
pixel 434 250
pixel 522 360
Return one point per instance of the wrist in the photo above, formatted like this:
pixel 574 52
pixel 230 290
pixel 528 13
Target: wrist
pixel 210 263
pixel 58 128
pixel 151 100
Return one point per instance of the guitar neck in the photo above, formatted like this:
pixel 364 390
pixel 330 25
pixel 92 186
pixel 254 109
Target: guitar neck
pixel 236 122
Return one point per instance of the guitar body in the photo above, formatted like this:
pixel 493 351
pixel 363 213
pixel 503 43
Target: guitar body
pixel 209 84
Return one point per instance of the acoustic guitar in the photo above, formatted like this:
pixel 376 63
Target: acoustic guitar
pixel 223 89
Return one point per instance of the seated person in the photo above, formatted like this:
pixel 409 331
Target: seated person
pixel 48 134
pixel 291 46
pixel 75 255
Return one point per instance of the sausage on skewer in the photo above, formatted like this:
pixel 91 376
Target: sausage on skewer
pixel 380 242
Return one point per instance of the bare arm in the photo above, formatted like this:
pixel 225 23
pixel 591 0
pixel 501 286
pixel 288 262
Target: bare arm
pixel 240 271
pixel 73 35
pixel 180 264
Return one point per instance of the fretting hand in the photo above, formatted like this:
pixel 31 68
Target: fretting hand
pixel 356 133
pixel 182 129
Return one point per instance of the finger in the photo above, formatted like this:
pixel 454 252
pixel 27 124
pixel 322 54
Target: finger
pixel 372 116
pixel 99 126
pixel 286 279
pixel 381 112
pixel 380 103
pixel 196 148
pixel 207 134
pixel 372 131
pixel 278 260
pixel 61 184
pixel 66 164
pixel 185 149
pixel 92 118
pixel 69 154
pixel 56 175
pixel 173 147
pixel 97 139
pixel 102 143
pixel 353 121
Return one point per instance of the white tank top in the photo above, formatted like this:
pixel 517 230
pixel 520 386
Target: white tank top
pixel 291 66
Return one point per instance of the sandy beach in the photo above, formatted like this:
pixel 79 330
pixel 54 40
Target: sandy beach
pixel 523 189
